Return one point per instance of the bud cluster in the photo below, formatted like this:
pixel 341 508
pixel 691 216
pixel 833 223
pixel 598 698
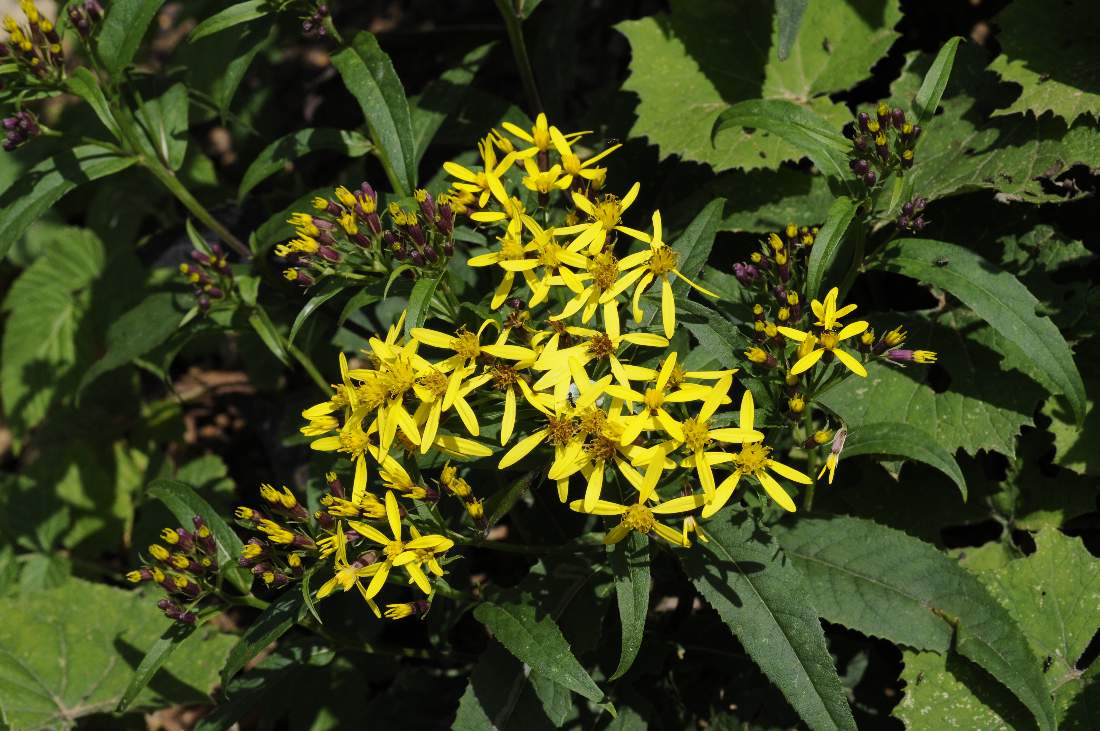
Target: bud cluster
pixel 912 215
pixel 287 537
pixel 454 485
pixel 209 275
pixel 313 26
pixel 185 566
pixel 84 16
pixel 19 128
pixel 881 144
pixel 350 232
pixel 34 46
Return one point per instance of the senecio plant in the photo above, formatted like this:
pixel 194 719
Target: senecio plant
pixel 494 404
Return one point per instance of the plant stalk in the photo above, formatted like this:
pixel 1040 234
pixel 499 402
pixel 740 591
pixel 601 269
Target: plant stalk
pixel 513 24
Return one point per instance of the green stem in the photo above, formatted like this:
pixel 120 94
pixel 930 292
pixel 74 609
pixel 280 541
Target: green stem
pixel 811 460
pixel 246 601
pixel 307 363
pixel 513 24
pixel 330 28
pixel 168 179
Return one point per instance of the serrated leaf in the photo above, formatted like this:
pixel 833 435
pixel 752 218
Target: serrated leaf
pixel 898 439
pixel 694 244
pixel 44 184
pixel 827 244
pixel 67 653
pixel 229 17
pixel 906 591
pixel 280 153
pixel 535 638
pixel 1052 56
pixel 368 73
pixel 983 405
pixel 999 299
pixel 763 600
pixel 938 693
pixel 136 332
pixel 927 99
pixel 120 34
pixel 630 561
pixel 185 503
pixel 273 623
pixel 154 659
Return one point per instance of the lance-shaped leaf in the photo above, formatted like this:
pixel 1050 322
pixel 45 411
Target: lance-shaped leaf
pixel 286 149
pixel 272 624
pixel 908 592
pixel 899 439
pixel 120 34
pixel 155 657
pixel 999 299
pixel 630 562
pixel 694 244
pixel 368 73
pixel 935 81
pixel 420 300
pixel 231 16
pixel 762 598
pixel 827 244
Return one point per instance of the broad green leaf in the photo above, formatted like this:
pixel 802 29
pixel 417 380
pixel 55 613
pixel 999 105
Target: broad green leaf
pixel 440 98
pixel 827 244
pixel 964 149
pixel 534 637
pixel 44 184
pixel 764 200
pixel 630 561
pixel 499 695
pixel 154 659
pixel 263 684
pixel 120 35
pixel 1051 57
pixel 694 244
pixel 801 128
pixel 68 652
pixel 788 16
pixel 216 64
pixel 931 89
pixel 231 16
pixel 687 66
pixel 420 300
pixel 909 593
pixel 329 288
pixel 1073 448
pixel 369 76
pixel 42 339
pixel 136 332
pixel 899 439
pixel 742 573
pixel 968 399
pixel 164 122
pixel 999 299
pixel 272 624
pixel 939 693
pixel 84 84
pixel 283 151
pixel 185 503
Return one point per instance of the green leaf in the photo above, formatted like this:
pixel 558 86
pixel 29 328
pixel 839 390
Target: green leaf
pixel 359 300
pixel 185 503
pixel 216 64
pixel 269 334
pixel 42 339
pixel 67 653
pixel 743 575
pixel 931 89
pixel 630 561
pixel 123 28
pixel 827 244
pixel 694 244
pixel 898 439
pixel 272 624
pixel 689 65
pixel 983 405
pixel 231 16
pixel 440 98
pixel 136 332
pixel 1051 56
pixel 999 299
pixel 283 151
pixel 908 592
pixel 788 16
pixel 535 639
pixel 84 84
pixel 369 76
pixel 44 184
pixel 799 127
pixel 420 300
pixel 500 695
pixel 154 659
pixel 329 288
pixel 499 503
pixel 164 121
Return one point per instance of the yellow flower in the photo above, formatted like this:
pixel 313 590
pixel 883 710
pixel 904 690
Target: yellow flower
pixel 604 217
pixel 433 388
pixel 572 163
pixel 640 517
pixel 607 277
pixel 755 460
pixel 660 263
pixel 555 261
pixel 467 347
pixel 347 574
pixel 545 181
pixel 507 379
pixel 653 416
pixel 398 552
pixel 834 454
pixel 827 339
pixel 699 437
pixel 538 137
pixel 477 182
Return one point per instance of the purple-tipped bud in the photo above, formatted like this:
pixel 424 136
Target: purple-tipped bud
pixel 916 131
pixel 897 116
pixel 907 208
pixel 883 152
pixel 448 248
pixel 446 221
pixel 328 254
pixel 215 293
pixel 164 604
pixel 201 257
pixel 860 167
pixel 862 119
pixel 203 303
pixel 746 273
pixel 322 223
pixel 427 205
pixel 870 179
pixel 374 223
pixel 94 10
pixel 389 238
pixel 417 259
pixel 431 255
pixel 860 143
pixel 516 303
